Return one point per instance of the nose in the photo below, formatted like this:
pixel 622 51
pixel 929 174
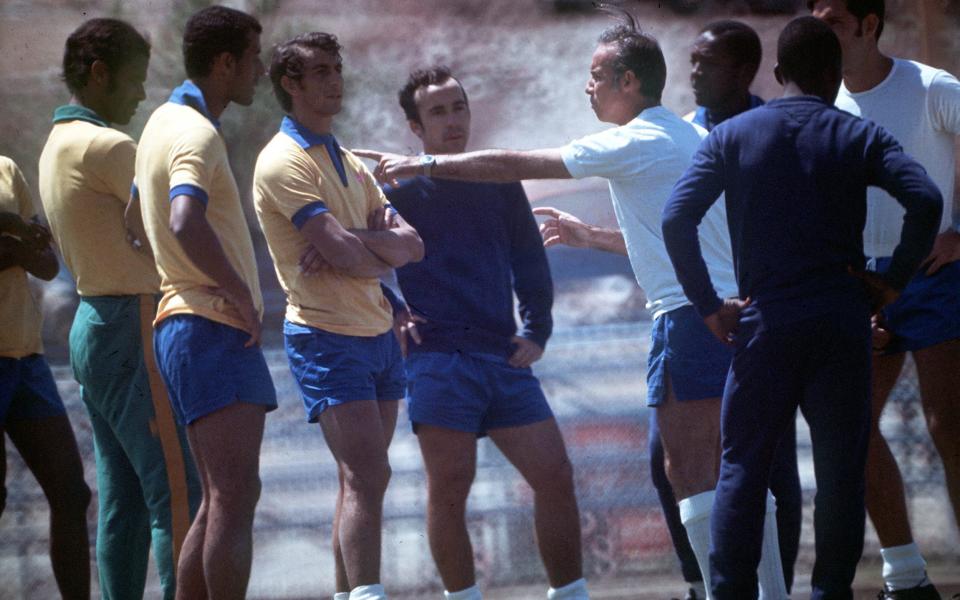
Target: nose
pixel 589 89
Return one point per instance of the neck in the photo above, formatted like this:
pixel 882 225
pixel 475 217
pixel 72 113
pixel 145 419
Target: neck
pixel 94 102
pixel 213 96
pixel 866 72
pixel 730 107
pixel 320 124
pixel 642 104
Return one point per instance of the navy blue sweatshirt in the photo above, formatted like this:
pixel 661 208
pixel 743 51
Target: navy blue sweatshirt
pixel 481 244
pixel 795 173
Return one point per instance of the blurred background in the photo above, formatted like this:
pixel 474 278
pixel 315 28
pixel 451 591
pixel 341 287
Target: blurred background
pixel 524 64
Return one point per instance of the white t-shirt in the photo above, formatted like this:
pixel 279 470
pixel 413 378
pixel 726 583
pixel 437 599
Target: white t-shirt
pixel 920 106
pixel 642 161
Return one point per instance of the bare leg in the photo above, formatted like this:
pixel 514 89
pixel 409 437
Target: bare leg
pixel 538 452
pixel 340 570
pixel 937 370
pixel 450 460
pixel 691 443
pixel 355 433
pixel 49 450
pixel 885 501
pixel 226 444
pixel 190 580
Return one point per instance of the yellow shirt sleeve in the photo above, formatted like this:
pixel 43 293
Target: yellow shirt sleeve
pixel 292 184
pixel 110 160
pixel 194 158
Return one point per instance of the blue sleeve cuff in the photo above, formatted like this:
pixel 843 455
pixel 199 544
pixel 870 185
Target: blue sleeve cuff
pixel 303 215
pixel 187 189
pixel 134 191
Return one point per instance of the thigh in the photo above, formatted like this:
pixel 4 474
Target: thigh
pixel 689 428
pixel 354 433
pixel 449 458
pixel 938 371
pixel 227 447
pixel 49 449
pixel 536 450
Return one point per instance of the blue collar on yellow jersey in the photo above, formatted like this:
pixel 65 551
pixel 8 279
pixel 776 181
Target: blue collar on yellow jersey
pixel 306 138
pixel 188 94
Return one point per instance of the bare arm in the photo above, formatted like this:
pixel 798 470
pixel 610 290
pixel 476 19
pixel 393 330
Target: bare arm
pixel 564 228
pixel 189 225
pixel 396 246
pixel 499 166
pixel 133 222
pixel 341 249
pixel 30 249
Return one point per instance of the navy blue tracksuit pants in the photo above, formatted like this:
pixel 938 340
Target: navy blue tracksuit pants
pixel 822 365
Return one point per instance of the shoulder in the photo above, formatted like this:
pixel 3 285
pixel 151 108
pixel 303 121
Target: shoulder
pixel 109 142
pixel 8 168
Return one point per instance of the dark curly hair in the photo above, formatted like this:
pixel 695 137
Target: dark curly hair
pixel 111 41
pixel 212 31
pixel 290 56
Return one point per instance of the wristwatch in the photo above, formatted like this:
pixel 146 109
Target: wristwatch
pixel 427 161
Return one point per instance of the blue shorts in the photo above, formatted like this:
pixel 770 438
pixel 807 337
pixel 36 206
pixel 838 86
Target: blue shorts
pixel 683 349
pixel 927 312
pixel 333 369
pixel 472 392
pixel 206 367
pixel 27 390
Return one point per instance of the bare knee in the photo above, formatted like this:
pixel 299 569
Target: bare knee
pixel 72 500
pixel 236 497
pixel 555 479
pixel 369 480
pixel 449 490
pixel 946 437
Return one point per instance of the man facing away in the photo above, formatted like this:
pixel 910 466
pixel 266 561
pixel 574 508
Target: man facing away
pixel 31 411
pixel 469 367
pixel 317 200
pixel 920 107
pixel 795 173
pixel 642 158
pixel 147 484
pixel 208 320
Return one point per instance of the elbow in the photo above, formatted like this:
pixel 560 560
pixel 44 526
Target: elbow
pixel 417 251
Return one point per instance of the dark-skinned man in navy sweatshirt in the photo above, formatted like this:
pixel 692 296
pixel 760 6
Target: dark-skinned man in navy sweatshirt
pixel 794 173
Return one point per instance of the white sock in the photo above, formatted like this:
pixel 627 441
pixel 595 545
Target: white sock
pixel 341 596
pixel 368 592
pixel 572 591
pixel 770 571
pixel 471 593
pixel 695 516
pixel 903 567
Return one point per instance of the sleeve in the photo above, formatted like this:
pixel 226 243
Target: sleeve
pixel 194 160
pixel 908 183
pixel 111 159
pixel 293 188
pixel 692 196
pixel 531 271
pixel 944 102
pixel 21 191
pixel 608 154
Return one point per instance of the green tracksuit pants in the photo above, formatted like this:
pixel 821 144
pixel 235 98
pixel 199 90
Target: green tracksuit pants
pixel 147 485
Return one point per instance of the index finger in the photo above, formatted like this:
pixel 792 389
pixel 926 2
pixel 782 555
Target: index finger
pixel 371 154
pixel 548 211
